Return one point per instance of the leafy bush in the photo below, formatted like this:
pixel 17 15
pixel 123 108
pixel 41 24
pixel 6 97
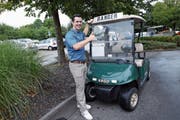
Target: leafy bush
pixel 20 75
pixel 159 38
pixel 152 45
pixel 160 42
pixel 3 37
pixel 177 39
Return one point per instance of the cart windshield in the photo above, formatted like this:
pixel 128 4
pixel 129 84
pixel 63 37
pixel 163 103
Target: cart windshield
pixel 113 41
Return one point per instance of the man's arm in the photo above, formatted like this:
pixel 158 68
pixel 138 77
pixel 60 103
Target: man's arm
pixel 81 44
pixel 86 29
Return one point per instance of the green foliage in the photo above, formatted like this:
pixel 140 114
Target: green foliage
pixel 20 75
pixel 3 37
pixel 37 24
pixel 38 30
pixel 10 4
pixel 41 33
pixel 92 8
pixel 177 39
pixel 25 32
pixel 159 38
pixel 167 13
pixel 160 42
pixel 48 23
pixel 160 13
pixel 7 32
pixel 154 45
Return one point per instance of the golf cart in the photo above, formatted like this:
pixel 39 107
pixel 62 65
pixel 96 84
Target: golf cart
pixel 118 66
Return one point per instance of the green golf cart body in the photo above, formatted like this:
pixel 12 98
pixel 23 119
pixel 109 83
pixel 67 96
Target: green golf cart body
pixel 118 66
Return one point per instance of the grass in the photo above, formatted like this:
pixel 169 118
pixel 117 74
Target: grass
pixel 20 76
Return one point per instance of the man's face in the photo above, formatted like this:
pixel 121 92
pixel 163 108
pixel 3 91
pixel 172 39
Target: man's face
pixel 77 23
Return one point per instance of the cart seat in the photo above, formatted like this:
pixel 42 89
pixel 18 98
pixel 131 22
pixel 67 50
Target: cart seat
pixel 139 62
pixel 139 48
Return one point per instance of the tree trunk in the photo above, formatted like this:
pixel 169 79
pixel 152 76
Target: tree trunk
pixel 60 43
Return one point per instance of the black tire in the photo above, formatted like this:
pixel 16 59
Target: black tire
pixel 90 92
pixel 50 48
pixel 129 98
pixel 149 74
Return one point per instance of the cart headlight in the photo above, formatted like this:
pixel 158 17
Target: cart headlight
pixel 94 79
pixel 113 81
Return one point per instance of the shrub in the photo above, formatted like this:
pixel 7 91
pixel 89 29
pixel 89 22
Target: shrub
pixel 20 75
pixel 177 39
pixel 159 38
pixel 152 45
pixel 3 37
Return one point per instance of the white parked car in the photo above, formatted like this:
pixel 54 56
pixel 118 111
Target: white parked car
pixel 24 43
pixel 27 43
pixel 47 44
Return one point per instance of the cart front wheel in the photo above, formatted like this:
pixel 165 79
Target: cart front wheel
pixel 128 99
pixel 90 92
pixel 149 75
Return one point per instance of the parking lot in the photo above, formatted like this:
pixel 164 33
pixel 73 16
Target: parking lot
pixel 159 99
pixel 47 57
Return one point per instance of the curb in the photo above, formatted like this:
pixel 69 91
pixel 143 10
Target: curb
pixel 52 113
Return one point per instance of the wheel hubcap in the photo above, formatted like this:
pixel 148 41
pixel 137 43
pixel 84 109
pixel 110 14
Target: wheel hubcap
pixel 134 99
pixel 92 92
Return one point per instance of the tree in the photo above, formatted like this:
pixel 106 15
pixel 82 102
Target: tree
pixel 147 14
pixel 7 32
pixel 174 6
pixel 48 22
pixel 51 8
pixel 92 8
pixel 167 13
pixel 37 23
pixel 160 13
pixel 87 8
pixel 26 32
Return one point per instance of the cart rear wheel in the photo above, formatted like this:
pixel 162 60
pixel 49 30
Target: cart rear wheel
pixel 90 92
pixel 128 99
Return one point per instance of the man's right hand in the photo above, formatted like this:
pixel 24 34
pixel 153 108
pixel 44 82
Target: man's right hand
pixel 91 37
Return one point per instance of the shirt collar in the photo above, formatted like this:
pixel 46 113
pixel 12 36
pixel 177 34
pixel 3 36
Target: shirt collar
pixel 76 31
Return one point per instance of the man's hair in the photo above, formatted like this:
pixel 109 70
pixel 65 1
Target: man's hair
pixel 75 15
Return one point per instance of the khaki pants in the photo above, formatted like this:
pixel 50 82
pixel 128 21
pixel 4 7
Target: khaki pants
pixel 79 74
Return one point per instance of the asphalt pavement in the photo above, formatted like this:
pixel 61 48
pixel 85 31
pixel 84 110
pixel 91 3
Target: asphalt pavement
pixel 159 99
pixel 47 57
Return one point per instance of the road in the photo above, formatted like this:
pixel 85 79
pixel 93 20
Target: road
pixel 159 98
pixel 47 57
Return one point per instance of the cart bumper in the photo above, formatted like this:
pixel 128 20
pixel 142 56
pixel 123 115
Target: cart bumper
pixel 107 93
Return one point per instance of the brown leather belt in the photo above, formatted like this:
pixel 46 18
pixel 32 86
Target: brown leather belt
pixel 78 62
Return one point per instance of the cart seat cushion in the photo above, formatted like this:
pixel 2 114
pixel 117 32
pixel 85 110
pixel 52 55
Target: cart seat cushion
pixel 139 47
pixel 139 62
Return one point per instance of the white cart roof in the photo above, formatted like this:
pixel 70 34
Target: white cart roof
pixel 116 17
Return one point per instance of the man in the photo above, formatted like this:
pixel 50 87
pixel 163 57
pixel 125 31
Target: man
pixel 75 42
